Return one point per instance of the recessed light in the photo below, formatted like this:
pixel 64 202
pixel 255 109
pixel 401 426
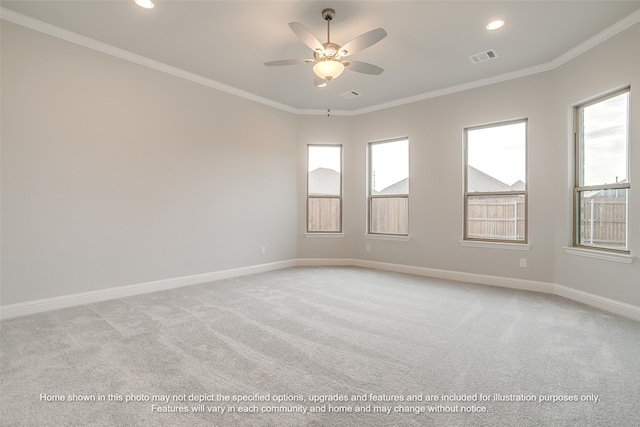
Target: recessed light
pixel 494 25
pixel 147 4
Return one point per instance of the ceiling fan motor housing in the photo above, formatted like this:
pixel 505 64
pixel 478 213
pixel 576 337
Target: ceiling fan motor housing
pixel 328 14
pixel 330 51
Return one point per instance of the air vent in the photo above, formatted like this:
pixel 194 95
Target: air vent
pixel 483 56
pixel 350 94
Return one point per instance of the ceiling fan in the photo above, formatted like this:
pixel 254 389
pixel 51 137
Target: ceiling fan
pixel 328 62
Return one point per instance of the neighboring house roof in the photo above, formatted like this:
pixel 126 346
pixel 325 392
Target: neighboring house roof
pixel 479 181
pixel 517 186
pixel 400 187
pixel 327 181
pixel 324 181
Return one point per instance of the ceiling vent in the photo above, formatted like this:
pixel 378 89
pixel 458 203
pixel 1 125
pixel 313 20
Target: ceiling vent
pixel 350 94
pixel 483 56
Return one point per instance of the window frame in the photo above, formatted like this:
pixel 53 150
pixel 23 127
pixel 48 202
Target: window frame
pixel 578 170
pixel 524 193
pixel 340 197
pixel 371 196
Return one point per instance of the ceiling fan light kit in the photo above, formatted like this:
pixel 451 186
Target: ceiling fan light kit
pixel 147 4
pixel 328 63
pixel 328 69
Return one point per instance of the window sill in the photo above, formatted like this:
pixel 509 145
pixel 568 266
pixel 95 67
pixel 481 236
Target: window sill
pixel 496 245
pixel 594 253
pixel 387 237
pixel 324 235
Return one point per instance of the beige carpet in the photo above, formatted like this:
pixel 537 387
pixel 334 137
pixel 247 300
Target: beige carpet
pixel 332 346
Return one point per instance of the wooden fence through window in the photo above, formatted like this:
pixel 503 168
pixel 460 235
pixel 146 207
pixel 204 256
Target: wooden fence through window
pixel 603 221
pixel 323 214
pixel 496 218
pixel 389 215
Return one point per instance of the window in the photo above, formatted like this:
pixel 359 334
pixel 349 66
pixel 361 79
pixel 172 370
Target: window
pixel 495 195
pixel 602 183
pixel 324 189
pixel 389 187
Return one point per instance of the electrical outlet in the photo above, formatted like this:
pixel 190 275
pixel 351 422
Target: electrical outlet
pixel 263 250
pixel 523 262
pixel 367 248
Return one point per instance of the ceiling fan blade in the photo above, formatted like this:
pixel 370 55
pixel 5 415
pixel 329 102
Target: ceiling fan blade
pixel 363 41
pixel 306 36
pixel 289 62
pixel 318 82
pixel 363 67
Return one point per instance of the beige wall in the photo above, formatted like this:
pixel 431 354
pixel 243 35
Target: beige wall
pixel 326 130
pixel 114 174
pixel 610 65
pixel 435 127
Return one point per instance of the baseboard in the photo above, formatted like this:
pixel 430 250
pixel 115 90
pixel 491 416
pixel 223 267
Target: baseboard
pixel 613 306
pixel 310 262
pixel 32 307
pixel 481 279
pixel 47 304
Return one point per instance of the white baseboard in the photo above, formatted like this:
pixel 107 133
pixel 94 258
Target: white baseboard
pixel 613 306
pixel 481 279
pixel 31 307
pixel 47 304
pixel 597 301
pixel 310 262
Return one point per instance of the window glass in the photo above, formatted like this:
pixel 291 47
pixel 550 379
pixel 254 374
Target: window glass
pixel 603 142
pixel 389 187
pixel 390 167
pixel 496 217
pixel 602 217
pixel 602 177
pixel 324 188
pixel 496 158
pixel 495 182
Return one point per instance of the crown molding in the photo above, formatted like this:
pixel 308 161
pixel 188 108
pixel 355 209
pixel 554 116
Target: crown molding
pixel 599 38
pixel 457 88
pixel 72 37
pixel 583 47
pixel 437 93
pixel 52 30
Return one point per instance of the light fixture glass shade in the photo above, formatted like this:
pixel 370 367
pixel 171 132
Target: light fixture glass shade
pixel 494 25
pixel 147 4
pixel 328 69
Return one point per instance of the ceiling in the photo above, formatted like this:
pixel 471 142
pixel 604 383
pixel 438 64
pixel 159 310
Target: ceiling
pixel 226 43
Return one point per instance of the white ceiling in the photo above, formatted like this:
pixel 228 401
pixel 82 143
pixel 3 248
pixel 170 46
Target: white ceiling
pixel 426 51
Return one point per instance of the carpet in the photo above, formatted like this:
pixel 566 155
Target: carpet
pixel 323 346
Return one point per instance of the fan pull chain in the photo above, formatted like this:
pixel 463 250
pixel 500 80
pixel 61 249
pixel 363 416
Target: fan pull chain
pixel 328 99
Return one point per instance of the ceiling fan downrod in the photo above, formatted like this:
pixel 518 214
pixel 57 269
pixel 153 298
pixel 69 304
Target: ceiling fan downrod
pixel 328 15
